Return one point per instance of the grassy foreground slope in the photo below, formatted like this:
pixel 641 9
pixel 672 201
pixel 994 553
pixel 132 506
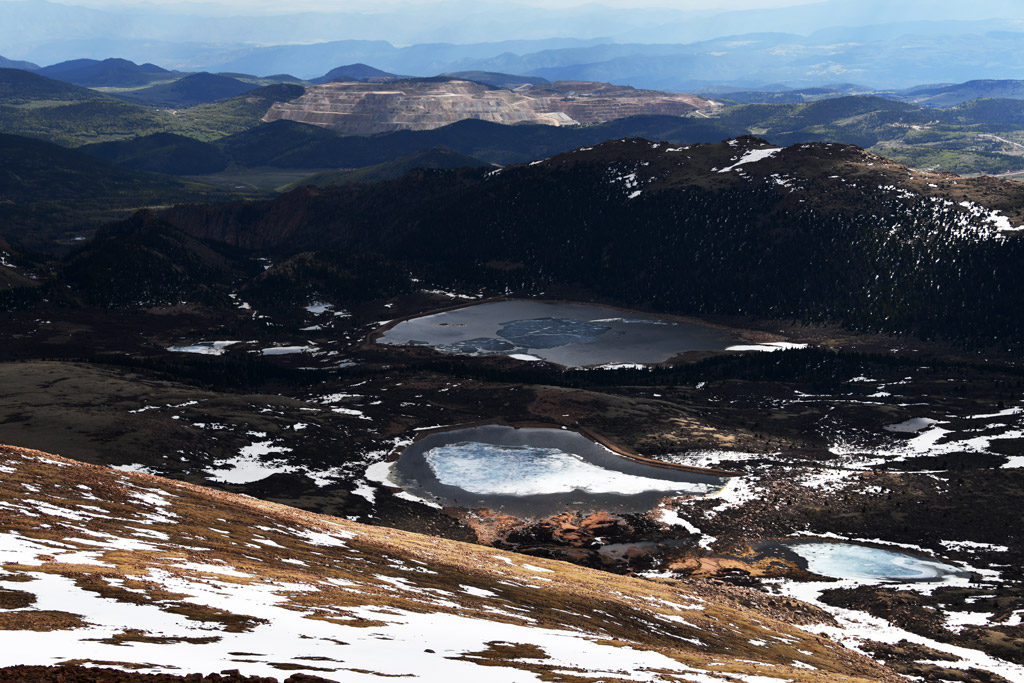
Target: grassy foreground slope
pixel 127 569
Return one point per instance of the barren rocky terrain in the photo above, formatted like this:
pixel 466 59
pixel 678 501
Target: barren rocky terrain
pixel 423 104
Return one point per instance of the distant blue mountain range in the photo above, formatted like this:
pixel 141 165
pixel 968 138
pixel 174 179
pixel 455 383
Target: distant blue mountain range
pixel 744 61
pixel 877 43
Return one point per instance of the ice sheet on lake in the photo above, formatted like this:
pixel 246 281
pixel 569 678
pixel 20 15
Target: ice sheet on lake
pixel 547 333
pixel 850 561
pixel 490 469
pixel 569 334
pixel 475 346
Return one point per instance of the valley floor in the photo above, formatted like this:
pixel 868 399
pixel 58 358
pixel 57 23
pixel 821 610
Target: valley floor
pixel 890 443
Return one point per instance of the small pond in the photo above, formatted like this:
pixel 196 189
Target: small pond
pixel 536 472
pixel 572 335
pixel 865 563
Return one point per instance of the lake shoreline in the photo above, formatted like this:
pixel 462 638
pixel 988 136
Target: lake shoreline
pixel 571 335
pixel 412 472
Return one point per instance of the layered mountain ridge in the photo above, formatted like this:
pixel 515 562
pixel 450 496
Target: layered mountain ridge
pixel 820 233
pixel 91 73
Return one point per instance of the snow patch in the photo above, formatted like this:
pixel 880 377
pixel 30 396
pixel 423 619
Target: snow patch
pixel 206 348
pixel 287 350
pixel 248 466
pixel 753 156
pixel 911 426
pixel 767 347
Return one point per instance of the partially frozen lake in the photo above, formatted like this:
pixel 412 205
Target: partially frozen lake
pixel 537 472
pixel 573 335
pixel 865 563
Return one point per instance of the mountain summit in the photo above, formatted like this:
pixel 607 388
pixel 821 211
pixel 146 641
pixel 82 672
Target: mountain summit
pixel 354 72
pixel 92 73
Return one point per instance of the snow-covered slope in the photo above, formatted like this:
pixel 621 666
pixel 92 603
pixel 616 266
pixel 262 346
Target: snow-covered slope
pixel 135 571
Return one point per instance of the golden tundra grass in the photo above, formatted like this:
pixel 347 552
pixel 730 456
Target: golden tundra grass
pixel 258 538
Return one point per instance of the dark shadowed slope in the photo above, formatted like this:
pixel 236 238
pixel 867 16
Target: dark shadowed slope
pixel 92 73
pixel 189 91
pixel 288 144
pixel 161 153
pixel 435 158
pixel 739 228
pixel 20 87
pixel 46 189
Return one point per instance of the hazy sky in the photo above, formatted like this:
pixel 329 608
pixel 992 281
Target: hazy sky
pixel 262 36
pixel 279 6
